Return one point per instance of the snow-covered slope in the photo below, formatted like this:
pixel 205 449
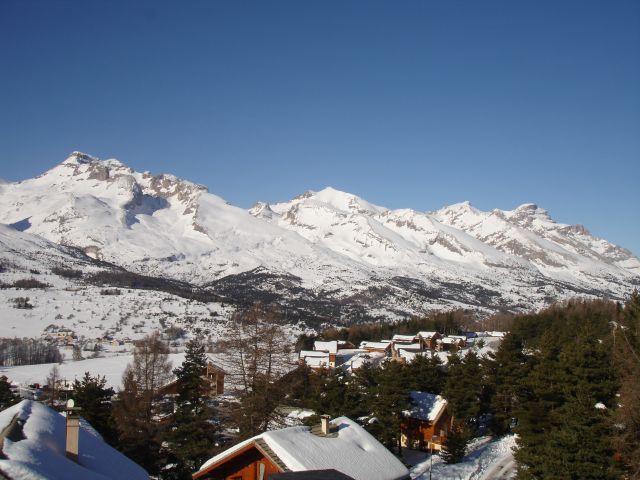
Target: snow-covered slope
pixel 329 249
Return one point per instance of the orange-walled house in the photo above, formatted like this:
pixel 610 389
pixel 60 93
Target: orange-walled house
pixel 341 445
pixel 427 424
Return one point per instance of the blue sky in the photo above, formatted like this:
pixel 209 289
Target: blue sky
pixel 407 104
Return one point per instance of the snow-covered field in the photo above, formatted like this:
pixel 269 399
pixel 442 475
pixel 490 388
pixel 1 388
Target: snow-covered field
pixel 486 459
pixel 112 367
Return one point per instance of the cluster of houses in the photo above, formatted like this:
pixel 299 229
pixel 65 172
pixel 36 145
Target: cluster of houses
pixel 67 338
pixel 401 348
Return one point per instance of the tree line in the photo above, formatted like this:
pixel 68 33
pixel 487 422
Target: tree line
pixel 27 351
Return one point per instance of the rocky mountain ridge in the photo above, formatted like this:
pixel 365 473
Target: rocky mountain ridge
pixel 329 249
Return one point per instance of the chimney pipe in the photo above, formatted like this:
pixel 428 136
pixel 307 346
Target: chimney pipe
pixel 72 431
pixel 324 424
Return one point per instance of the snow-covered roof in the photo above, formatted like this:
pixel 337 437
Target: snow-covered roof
pixel 403 338
pixel 408 346
pixel 331 347
pixel 452 340
pixel 38 450
pixel 315 362
pixel 353 451
pixel 427 334
pixel 313 353
pixel 426 406
pixel 376 345
pixel 410 355
pixel 359 359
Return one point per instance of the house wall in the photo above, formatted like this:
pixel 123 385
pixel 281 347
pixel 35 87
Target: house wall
pixel 245 466
pixel 417 434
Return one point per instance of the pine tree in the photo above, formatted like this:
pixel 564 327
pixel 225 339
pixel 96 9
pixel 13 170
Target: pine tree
pixel 7 398
pixel 94 399
pixel 191 434
pixel 564 430
pixel 627 360
pixel 389 401
pixel 505 372
pixel 455 445
pixel 426 374
pixel 464 388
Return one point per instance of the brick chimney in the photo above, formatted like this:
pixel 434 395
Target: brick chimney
pixel 72 431
pixel 324 424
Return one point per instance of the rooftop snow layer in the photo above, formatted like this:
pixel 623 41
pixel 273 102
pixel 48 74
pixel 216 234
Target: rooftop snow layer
pixel 40 454
pixel 353 451
pixel 426 406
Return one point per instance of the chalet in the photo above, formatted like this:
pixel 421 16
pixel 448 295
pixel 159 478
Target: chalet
pixel 329 354
pixel 215 381
pixel 429 339
pixel 342 445
pixel 317 359
pixel 382 347
pixel 332 346
pixel 405 338
pixel 451 342
pixel 396 347
pixel 426 425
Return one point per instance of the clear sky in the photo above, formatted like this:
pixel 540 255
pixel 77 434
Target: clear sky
pixel 413 104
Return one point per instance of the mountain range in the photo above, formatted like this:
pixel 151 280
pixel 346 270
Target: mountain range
pixel 330 253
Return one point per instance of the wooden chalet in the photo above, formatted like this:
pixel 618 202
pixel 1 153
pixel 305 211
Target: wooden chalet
pixel 382 347
pixel 332 451
pixel 429 339
pixel 215 382
pixel 427 424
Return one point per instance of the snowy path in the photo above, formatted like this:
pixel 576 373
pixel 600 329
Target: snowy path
pixel 503 470
pixel 486 459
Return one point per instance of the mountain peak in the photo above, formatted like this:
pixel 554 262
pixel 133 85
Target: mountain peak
pixel 81 157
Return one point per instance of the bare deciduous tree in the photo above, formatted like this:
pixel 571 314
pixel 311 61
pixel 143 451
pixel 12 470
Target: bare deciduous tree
pixel 151 368
pixel 52 382
pixel 257 355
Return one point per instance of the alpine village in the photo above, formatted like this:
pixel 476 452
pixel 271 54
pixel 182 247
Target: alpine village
pixel 316 255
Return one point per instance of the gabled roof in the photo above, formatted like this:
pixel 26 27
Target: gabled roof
pixel 331 347
pixel 427 335
pixel 352 451
pixel 376 345
pixel 34 447
pixel 426 406
pixel 404 338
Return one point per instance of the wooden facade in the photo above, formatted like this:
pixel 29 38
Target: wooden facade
pixel 249 463
pixel 430 342
pixel 418 433
pixel 215 382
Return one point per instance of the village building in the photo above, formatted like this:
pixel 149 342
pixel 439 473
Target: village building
pixel 429 339
pixel 405 338
pixel 212 373
pixel 426 425
pixel 383 346
pixel 329 354
pixel 317 359
pixel 341 445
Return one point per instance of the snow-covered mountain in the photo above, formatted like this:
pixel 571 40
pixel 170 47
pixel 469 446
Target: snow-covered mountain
pixel 331 250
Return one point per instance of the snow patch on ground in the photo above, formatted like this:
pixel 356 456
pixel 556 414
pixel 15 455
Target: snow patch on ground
pixel 484 455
